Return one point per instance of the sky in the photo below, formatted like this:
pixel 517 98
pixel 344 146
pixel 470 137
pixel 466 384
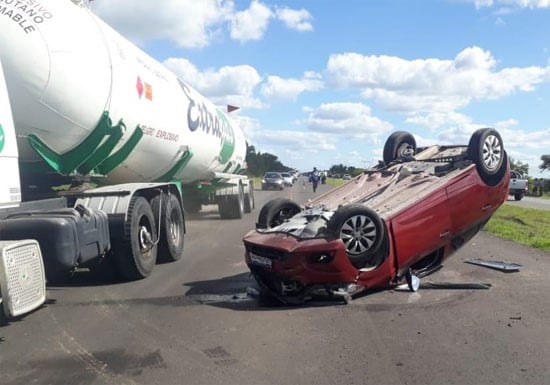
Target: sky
pixel 325 82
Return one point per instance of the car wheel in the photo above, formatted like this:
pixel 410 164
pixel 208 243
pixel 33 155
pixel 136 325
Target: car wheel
pixel 361 229
pixel 486 150
pixel 518 197
pixel 275 212
pixel 400 144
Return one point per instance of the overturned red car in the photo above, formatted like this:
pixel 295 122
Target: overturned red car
pixel 391 225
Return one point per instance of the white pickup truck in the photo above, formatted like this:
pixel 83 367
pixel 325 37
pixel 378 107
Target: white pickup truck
pixel 518 185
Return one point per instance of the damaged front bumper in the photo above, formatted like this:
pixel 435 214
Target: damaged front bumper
pixel 294 270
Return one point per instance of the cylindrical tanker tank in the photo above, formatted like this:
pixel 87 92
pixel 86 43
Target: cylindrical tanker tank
pixel 68 73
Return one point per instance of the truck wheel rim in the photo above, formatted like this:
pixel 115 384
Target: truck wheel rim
pixel 144 241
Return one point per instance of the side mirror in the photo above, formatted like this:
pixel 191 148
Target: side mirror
pixel 413 282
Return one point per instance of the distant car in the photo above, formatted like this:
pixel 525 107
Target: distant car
pixel 272 180
pixel 392 225
pixel 346 177
pixel 518 185
pixel 288 180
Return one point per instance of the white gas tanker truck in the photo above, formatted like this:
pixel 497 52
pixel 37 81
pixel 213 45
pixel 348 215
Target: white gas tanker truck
pixel 90 107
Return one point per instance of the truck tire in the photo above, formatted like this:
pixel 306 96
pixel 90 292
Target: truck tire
pixel 249 203
pixel 231 206
pixel 136 254
pixel 518 196
pixel 275 212
pixel 172 227
pixel 192 206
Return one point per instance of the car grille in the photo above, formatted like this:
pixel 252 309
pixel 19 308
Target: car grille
pixel 267 252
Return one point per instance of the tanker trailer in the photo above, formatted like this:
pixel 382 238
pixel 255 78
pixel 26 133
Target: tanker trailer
pixel 89 106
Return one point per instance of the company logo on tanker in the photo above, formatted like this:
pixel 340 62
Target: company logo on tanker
pixel 199 117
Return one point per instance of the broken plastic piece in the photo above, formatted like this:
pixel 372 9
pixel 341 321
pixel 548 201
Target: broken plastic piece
pixel 499 265
pixel 454 286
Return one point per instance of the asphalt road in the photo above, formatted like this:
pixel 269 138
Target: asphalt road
pixel 192 322
pixel 531 202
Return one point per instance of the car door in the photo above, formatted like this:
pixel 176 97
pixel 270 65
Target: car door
pixel 421 228
pixel 469 202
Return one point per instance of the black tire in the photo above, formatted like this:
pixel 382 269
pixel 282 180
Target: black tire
pixel 486 150
pixel 276 211
pixel 249 203
pixel 231 206
pixel 192 206
pixel 135 255
pixel 362 231
pixel 518 197
pixel 172 227
pixel 400 144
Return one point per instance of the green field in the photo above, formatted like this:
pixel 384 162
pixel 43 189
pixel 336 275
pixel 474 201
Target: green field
pixel 527 226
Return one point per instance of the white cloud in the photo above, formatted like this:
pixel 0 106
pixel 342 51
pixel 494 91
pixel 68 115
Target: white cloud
pixel 297 19
pixel 227 85
pixel 295 141
pixel 435 120
pixel 279 89
pixel 251 23
pixel 188 23
pixel 348 119
pixel 431 85
pixel 524 146
pixel 195 24
pixel 518 3
pixel 520 144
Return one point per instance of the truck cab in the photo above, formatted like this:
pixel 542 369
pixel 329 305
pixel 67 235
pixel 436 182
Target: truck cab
pixel 22 276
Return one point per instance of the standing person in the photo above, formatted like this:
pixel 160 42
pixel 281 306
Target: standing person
pixel 314 178
pixel 323 177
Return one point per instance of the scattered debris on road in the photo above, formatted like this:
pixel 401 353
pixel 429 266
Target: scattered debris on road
pixel 455 285
pixel 498 265
pixel 448 286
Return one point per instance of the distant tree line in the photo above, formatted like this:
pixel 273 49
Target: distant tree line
pixel 338 170
pixel 259 163
pixel 545 162
pixel 519 166
pixel 524 167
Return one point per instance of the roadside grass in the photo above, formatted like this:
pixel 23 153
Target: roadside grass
pixel 335 181
pixel 257 181
pixel 530 227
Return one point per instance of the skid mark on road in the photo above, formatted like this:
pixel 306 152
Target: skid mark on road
pixel 220 356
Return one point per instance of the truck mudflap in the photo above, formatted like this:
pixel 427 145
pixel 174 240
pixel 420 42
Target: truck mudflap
pixel 22 279
pixel 68 237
